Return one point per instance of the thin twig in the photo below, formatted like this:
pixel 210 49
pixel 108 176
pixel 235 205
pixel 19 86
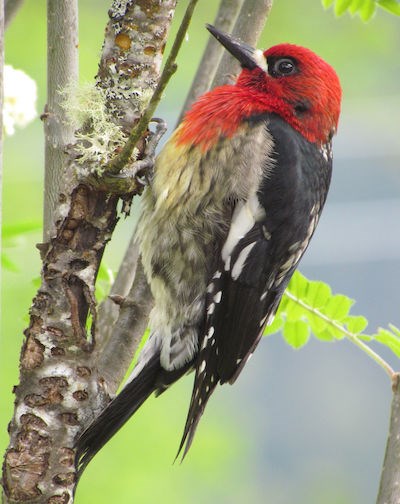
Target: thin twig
pixel 351 336
pixel 249 25
pixel 116 165
pixel 225 20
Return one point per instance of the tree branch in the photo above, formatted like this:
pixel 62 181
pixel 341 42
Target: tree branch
pixel 389 488
pixel 225 20
pixel 108 309
pixel 60 390
pixel 10 9
pixel 127 332
pixel 248 27
pixel 62 69
pixel 170 67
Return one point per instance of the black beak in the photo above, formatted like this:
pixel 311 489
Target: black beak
pixel 241 51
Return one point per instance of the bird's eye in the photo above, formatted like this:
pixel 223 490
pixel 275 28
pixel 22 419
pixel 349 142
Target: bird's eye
pixel 283 67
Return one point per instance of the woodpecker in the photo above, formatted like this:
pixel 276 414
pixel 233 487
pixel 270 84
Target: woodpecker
pixel 235 198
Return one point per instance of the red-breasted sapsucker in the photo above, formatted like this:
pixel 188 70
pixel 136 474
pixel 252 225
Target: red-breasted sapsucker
pixel 235 198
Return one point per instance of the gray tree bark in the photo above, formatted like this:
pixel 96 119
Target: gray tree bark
pixel 62 70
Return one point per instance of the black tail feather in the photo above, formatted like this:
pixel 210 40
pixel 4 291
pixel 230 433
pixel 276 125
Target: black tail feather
pixel 117 412
pixel 204 385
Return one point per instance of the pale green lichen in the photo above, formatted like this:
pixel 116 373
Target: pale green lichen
pixel 98 137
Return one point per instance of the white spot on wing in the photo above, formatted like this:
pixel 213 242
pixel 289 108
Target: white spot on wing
pixel 267 234
pixel 210 309
pixel 210 333
pixel 202 366
pixel 239 264
pixel 244 217
pixel 217 297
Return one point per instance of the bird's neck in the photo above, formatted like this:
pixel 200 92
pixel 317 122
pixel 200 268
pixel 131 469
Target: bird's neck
pixel 221 111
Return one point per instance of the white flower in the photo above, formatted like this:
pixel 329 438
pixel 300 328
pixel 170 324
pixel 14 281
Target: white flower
pixel 20 95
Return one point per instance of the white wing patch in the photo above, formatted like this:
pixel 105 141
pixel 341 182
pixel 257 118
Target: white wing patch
pixel 239 263
pixel 244 217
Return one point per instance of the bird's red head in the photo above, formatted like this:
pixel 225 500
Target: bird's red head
pixel 286 79
pixel 298 85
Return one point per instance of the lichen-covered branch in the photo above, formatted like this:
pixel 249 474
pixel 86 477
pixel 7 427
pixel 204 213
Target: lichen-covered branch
pixel 131 59
pixel 169 69
pixel 59 389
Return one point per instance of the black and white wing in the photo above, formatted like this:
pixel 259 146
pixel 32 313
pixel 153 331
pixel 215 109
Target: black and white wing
pixel 268 235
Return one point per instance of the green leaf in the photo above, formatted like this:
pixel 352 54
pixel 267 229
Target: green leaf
pixel 298 285
pixel 296 333
pixel 367 10
pixel 355 6
pixel 325 335
pixel 317 293
pixel 356 324
pixel 389 339
pixel 338 307
pixel 294 311
pixel 318 325
pixel 341 6
pixel 327 3
pixel 395 330
pixel 391 6
pixel 314 303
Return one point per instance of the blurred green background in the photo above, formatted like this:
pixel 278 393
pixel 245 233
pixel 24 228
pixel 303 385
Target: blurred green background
pixel 306 427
